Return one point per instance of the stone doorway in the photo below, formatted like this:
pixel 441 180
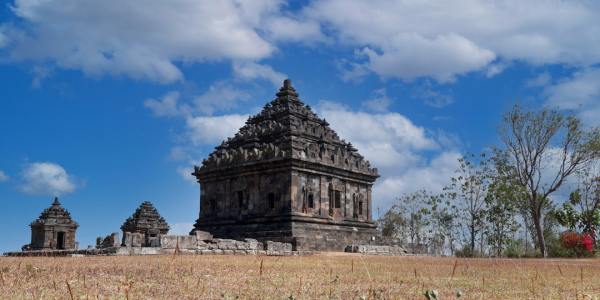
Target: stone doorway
pixel 60 240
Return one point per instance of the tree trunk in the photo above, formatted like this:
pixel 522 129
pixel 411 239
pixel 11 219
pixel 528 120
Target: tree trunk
pixel 472 239
pixel 539 230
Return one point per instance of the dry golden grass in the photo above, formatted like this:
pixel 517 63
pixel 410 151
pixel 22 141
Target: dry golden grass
pixel 310 277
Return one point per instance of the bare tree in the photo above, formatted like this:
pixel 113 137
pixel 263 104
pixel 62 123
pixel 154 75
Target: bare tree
pixel 538 140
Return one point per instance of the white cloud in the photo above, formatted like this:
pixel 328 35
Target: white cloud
pixel 213 129
pixel 432 175
pixel 220 96
pixel 46 178
pixel 540 80
pixel 3 176
pixel 433 98
pixel 165 107
pixel 186 172
pixel 294 30
pixel 443 39
pixel 495 69
pixel 379 103
pixel 139 39
pixel 410 56
pixel 408 158
pixel 581 93
pixel 388 140
pixel 252 71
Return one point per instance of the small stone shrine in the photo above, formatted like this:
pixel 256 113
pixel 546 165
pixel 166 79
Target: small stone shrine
pixel 53 230
pixel 144 227
pixel 286 176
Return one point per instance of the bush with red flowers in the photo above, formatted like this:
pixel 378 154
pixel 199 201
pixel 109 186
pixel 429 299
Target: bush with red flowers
pixel 581 244
pixel 587 242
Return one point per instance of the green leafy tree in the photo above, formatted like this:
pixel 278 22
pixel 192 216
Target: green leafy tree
pixel 536 139
pixel 441 216
pixel 467 191
pixel 583 209
pixel 501 201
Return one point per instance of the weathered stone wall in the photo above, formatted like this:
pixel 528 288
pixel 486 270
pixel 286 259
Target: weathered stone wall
pixel 339 198
pixel 245 195
pixel 376 249
pixel 109 241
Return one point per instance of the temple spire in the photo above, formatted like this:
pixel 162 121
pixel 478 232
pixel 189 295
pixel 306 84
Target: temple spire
pixel 56 203
pixel 287 90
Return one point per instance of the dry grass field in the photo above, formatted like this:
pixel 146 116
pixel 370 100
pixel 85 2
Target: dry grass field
pixel 309 277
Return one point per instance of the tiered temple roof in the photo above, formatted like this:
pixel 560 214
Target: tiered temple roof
pixel 145 218
pixel 286 129
pixel 55 215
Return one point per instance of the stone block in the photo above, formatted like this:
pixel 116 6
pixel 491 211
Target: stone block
pixel 252 244
pixel 168 241
pixel 225 244
pixel 114 241
pixel 277 246
pixel 137 239
pixel 229 252
pixel 218 251
pixel 127 239
pixel 187 241
pixel 203 235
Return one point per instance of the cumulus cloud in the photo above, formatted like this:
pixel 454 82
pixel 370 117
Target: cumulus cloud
pixel 252 71
pixel 379 103
pixel 46 178
pixel 410 56
pixel 220 96
pixel 580 92
pixel 432 97
pixel 3 176
pixel 165 107
pixel 213 129
pixel 409 39
pixel 407 155
pixel 388 140
pixel 140 39
pixel 431 174
pixel 397 39
pixel 294 30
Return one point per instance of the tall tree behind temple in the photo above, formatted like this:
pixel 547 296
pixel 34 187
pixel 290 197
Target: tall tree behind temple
pixel 535 140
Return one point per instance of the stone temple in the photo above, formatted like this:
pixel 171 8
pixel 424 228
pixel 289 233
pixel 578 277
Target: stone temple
pixel 53 230
pixel 144 227
pixel 286 176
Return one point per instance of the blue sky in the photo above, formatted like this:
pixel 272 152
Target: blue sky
pixel 109 104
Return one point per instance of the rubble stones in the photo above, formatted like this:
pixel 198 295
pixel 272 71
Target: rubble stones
pixel 110 241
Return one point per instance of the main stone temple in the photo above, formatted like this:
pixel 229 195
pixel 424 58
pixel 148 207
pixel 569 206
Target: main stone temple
pixel 286 176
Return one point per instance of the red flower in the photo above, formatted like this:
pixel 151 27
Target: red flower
pixel 570 239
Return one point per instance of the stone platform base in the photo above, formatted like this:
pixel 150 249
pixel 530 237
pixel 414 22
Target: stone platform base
pixel 377 250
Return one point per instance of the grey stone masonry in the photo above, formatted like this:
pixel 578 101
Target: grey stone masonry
pixel 109 241
pixel 376 249
pixel 287 176
pixel 145 227
pixel 53 230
